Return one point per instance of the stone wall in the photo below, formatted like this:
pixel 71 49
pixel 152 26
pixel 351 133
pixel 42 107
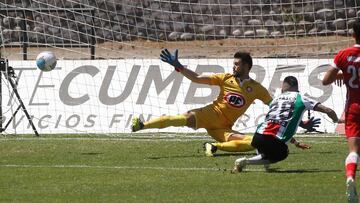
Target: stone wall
pixel 124 20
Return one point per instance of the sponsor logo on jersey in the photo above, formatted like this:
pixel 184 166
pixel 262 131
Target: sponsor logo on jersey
pixel 235 100
pixel 353 59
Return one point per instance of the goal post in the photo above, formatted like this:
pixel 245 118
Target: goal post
pixel 126 77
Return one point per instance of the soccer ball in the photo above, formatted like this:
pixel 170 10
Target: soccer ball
pixel 46 61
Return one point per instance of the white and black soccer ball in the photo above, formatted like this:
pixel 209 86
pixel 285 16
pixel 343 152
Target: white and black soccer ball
pixel 46 61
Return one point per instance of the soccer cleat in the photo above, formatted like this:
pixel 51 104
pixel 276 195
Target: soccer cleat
pixel 209 149
pixel 239 165
pixel 136 124
pixel 351 193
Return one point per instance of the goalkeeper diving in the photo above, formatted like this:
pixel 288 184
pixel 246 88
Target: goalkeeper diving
pixel 237 92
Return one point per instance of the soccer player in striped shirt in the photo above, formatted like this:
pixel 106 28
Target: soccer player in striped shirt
pixel 280 125
pixel 348 62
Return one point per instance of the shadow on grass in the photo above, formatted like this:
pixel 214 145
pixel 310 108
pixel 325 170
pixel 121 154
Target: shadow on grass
pixel 200 155
pixel 277 170
pixel 91 153
pixel 315 152
pixel 175 157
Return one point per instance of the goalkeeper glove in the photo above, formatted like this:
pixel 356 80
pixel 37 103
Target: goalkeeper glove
pixel 167 57
pixel 311 124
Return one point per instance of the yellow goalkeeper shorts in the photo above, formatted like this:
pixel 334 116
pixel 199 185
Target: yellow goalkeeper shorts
pixel 214 122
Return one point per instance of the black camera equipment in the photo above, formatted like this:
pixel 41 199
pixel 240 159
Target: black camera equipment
pixel 10 75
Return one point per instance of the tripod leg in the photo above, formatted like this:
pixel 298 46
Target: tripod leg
pixel 22 105
pixel 12 117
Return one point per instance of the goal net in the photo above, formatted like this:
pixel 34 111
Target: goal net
pixel 108 57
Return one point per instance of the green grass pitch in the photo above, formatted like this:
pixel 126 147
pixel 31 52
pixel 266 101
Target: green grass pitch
pixel 147 168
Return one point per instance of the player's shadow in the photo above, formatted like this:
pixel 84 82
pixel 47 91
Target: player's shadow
pixel 199 155
pixel 314 152
pixel 91 153
pixel 314 170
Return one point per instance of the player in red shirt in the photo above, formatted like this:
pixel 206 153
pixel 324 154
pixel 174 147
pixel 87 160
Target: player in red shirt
pixel 347 61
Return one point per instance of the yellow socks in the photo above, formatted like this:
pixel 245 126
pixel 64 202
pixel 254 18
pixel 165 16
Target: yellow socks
pixel 166 121
pixel 235 145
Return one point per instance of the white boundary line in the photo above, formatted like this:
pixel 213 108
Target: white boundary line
pixel 120 167
pixel 147 138
pixel 138 140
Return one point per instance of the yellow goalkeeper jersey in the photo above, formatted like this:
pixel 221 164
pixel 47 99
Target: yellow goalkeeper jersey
pixel 235 96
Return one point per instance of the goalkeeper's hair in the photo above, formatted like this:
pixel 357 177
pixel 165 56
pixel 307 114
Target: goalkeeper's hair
pixel 245 58
pixel 292 81
pixel 356 28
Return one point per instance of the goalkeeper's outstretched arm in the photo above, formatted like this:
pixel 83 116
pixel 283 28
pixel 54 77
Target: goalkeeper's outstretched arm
pixel 172 59
pixel 194 77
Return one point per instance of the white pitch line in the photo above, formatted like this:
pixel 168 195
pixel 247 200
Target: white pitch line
pixel 109 167
pixel 143 138
pixel 123 167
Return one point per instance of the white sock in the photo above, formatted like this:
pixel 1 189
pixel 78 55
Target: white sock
pixel 257 160
pixel 351 164
pixel 349 178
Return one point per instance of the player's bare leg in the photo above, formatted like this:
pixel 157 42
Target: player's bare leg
pixel 350 165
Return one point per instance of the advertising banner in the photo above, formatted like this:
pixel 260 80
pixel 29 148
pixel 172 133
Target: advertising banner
pixel 102 96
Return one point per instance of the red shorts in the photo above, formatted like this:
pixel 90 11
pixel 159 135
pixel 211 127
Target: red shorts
pixel 352 120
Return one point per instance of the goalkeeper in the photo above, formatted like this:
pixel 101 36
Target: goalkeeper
pixel 237 92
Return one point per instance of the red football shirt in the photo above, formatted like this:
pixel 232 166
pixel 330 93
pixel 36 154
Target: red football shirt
pixel 348 61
